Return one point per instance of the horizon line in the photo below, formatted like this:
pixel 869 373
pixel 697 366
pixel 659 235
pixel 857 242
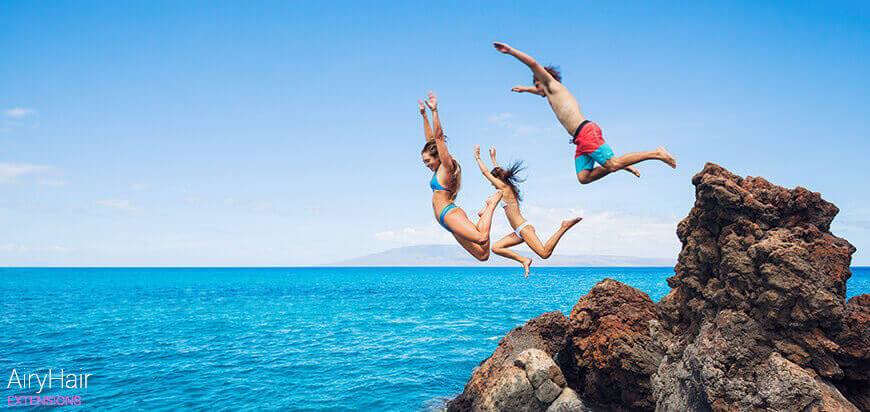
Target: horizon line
pixel 343 267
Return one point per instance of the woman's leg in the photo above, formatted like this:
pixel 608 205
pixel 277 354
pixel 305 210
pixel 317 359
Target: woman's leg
pixel 480 252
pixel 462 227
pixel 546 250
pixel 485 221
pixel 501 248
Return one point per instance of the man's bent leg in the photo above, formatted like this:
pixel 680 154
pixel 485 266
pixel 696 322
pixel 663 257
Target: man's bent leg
pixel 589 176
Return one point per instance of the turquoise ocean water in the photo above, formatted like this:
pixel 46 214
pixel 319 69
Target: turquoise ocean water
pixel 298 338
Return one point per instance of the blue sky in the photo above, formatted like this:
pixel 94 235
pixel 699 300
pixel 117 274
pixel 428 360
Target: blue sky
pixel 286 133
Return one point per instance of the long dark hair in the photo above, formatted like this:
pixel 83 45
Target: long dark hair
pixel 456 179
pixel 510 176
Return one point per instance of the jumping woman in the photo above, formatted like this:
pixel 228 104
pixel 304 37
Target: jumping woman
pixel 591 147
pixel 506 181
pixel 445 183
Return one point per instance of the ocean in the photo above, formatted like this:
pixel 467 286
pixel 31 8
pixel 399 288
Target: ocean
pixel 369 339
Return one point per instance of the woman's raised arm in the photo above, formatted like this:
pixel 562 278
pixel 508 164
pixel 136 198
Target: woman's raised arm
pixel 483 169
pixel 427 129
pixel 443 153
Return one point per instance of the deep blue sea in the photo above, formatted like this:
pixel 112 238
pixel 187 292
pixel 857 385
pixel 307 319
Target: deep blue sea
pixel 299 338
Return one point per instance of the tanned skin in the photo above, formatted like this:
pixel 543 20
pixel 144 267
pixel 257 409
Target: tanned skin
pixel 567 111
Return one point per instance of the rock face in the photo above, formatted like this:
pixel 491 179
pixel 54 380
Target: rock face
pixel 611 355
pixel 854 340
pixel 757 303
pixel 521 374
pixel 756 320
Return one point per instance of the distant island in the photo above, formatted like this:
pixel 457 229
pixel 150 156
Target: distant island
pixel 452 255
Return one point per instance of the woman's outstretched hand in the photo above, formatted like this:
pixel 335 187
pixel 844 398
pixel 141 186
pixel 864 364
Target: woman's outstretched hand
pixel 421 106
pixel 492 152
pixel 432 101
pixel 477 151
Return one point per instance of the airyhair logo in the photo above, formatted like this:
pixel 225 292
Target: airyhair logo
pixel 39 381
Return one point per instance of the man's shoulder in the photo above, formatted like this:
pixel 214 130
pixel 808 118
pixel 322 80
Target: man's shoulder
pixel 554 87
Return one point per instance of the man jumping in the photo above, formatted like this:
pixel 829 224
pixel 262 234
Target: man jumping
pixel 591 147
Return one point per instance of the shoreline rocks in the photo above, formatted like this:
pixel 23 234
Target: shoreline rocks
pixel 612 353
pixel 756 320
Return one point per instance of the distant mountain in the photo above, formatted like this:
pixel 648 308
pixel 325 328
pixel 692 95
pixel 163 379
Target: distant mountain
pixel 450 255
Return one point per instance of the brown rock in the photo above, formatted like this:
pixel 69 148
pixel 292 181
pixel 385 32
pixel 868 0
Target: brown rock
pixel 756 320
pixel 854 354
pixel 612 350
pixel 500 382
pixel 757 307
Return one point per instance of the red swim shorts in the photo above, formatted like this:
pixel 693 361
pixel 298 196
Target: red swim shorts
pixel 588 138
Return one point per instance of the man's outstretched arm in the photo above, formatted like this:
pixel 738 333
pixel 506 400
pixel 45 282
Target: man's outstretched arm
pixel 527 89
pixel 539 71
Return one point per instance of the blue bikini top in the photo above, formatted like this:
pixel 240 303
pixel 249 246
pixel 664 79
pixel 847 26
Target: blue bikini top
pixel 435 184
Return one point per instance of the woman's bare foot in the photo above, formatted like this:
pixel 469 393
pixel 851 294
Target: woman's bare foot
pixel 666 157
pixel 494 198
pixel 568 223
pixel 633 170
pixel 491 202
pixel 526 265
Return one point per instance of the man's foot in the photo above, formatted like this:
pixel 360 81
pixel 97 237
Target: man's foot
pixel 569 223
pixel 666 157
pixel 633 170
pixel 526 265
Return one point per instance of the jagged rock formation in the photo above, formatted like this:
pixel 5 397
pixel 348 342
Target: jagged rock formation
pixel 521 374
pixel 758 296
pixel 756 320
pixel 611 354
pixel 854 340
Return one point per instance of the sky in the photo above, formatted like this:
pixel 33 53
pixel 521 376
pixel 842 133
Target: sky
pixel 287 133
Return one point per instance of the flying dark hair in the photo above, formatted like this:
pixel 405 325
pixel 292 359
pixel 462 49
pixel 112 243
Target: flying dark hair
pixel 554 71
pixel 510 176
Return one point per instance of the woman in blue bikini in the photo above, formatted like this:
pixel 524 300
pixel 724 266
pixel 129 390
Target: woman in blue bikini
pixel 507 181
pixel 472 237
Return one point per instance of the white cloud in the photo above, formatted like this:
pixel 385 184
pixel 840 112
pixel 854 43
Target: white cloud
pixel 15 248
pixel 415 235
pixel 58 249
pixel 608 233
pixel 17 112
pixel 9 172
pixel 120 204
pixel 12 248
pixel 51 182
pixel 500 119
pixel 855 219
pixel 190 197
pixel 507 120
pixel 600 233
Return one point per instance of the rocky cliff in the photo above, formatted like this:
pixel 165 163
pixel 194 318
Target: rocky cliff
pixel 756 320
